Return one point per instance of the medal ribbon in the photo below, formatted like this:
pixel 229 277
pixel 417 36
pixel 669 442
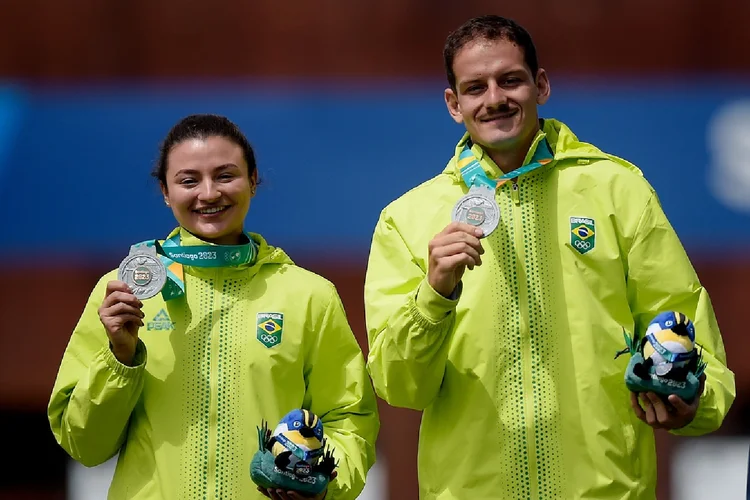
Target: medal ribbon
pixel 173 255
pixel 475 176
pixel 207 255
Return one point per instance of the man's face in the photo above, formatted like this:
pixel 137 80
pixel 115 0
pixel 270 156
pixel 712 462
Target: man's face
pixel 496 95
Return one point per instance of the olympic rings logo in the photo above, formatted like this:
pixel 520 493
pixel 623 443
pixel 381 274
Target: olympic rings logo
pixel 582 245
pixel 270 339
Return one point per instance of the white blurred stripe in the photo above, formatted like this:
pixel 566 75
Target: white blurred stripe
pixel 93 483
pixel 89 483
pixel 710 467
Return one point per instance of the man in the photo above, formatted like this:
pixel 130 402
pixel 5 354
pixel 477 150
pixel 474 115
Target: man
pixel 503 326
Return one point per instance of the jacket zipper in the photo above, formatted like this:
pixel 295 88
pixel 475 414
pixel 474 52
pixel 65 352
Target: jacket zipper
pixel 526 358
pixel 213 416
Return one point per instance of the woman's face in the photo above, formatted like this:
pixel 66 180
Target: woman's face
pixel 209 189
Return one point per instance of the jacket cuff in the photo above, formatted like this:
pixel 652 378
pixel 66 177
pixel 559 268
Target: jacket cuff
pixel 139 360
pixel 434 306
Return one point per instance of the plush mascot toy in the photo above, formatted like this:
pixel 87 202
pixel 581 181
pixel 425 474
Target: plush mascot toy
pixel 665 361
pixel 294 456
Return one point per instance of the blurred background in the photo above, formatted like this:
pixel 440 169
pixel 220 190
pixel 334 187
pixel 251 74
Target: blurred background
pixel 88 89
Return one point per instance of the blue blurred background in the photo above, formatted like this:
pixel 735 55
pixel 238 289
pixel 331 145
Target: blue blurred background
pixel 343 103
pixel 335 156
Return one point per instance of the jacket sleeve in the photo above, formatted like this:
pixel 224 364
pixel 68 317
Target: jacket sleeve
pixel 339 391
pixel 408 323
pixel 661 278
pixel 94 394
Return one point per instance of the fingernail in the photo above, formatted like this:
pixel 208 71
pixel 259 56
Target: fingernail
pixel 478 232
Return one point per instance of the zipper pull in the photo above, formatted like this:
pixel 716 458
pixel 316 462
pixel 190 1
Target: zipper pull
pixel 514 192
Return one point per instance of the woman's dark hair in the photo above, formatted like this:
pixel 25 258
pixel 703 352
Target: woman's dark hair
pixel 202 127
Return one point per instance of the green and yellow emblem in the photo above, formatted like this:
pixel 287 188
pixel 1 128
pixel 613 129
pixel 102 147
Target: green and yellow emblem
pixel 270 326
pixel 582 234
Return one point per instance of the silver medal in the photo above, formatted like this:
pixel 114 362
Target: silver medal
pixel 478 208
pixel 663 368
pixel 143 272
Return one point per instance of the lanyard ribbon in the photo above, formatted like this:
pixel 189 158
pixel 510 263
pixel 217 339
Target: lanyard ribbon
pixel 671 357
pixel 302 454
pixel 475 176
pixel 173 255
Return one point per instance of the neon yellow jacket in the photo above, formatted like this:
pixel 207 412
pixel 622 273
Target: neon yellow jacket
pixel 184 418
pixel 521 393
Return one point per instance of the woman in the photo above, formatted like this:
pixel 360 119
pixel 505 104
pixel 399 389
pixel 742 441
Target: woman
pixel 178 383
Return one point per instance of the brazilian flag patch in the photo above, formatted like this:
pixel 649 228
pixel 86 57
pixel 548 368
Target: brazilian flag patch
pixel 582 234
pixel 270 326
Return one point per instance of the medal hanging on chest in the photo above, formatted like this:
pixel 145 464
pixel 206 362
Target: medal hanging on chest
pixel 479 207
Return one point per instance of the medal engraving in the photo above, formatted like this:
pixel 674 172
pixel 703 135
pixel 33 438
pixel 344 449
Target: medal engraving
pixel 478 208
pixel 143 272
